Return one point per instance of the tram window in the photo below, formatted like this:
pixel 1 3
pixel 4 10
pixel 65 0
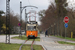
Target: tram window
pixel 31 27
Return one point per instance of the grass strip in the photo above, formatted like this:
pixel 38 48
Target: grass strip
pixel 62 42
pixel 25 38
pixel 4 46
pixel 73 39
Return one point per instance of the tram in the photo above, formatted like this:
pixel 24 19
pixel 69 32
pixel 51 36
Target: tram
pixel 32 29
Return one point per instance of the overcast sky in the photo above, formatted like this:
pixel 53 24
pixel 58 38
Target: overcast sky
pixel 15 5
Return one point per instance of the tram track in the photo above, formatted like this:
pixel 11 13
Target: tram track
pixel 23 44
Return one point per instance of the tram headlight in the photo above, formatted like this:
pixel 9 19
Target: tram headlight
pixel 31 33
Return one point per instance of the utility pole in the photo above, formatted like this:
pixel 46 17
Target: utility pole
pixel 25 20
pixel 20 35
pixel 54 28
pixel 0 24
pixel 8 21
pixel 51 29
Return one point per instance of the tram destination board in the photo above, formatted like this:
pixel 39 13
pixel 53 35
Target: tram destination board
pixel 32 22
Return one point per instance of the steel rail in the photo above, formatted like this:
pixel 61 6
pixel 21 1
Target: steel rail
pixel 23 44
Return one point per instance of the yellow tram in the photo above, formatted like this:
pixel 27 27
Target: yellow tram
pixel 31 29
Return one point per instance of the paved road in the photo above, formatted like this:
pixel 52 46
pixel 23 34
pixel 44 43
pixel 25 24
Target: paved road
pixel 54 39
pixel 48 43
pixel 51 43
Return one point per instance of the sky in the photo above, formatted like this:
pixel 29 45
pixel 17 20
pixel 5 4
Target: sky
pixel 15 6
pixel 71 3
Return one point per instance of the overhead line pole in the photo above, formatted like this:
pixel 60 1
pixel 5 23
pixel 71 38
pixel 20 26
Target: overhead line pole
pixel 8 21
pixel 25 20
pixel 20 35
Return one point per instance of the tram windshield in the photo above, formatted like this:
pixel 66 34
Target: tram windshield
pixel 31 28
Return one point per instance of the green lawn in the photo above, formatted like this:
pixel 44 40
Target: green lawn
pixel 4 46
pixel 73 39
pixel 38 35
pixel 62 42
pixel 25 38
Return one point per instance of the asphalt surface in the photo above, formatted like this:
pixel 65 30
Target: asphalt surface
pixel 51 43
pixel 48 43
